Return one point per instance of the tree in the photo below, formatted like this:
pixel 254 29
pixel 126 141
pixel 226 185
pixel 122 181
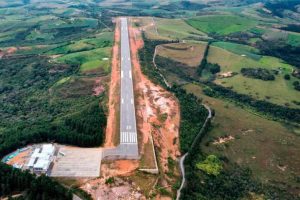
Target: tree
pixel 287 77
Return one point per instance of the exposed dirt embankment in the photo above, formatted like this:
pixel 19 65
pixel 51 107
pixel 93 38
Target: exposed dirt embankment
pixel 157 112
pixel 114 92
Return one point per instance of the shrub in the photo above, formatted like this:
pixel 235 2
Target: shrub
pixel 258 73
pixel 214 68
pixel 211 165
pixel 110 180
pixel 287 77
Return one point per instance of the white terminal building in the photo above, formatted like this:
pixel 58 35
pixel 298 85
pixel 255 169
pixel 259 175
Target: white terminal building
pixel 41 158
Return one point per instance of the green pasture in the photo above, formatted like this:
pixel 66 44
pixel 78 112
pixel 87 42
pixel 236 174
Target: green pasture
pixel 102 40
pixel 280 91
pixel 176 29
pixel 239 49
pixel 89 60
pixel 94 65
pixel 293 39
pixel 222 24
pixel 85 56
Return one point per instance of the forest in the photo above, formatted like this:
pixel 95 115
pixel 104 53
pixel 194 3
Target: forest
pixel 30 186
pixel 193 116
pixel 85 129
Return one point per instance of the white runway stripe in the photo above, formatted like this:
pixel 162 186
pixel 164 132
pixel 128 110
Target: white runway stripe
pixel 128 137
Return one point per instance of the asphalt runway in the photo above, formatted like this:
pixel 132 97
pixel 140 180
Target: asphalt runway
pixel 128 147
pixel 127 115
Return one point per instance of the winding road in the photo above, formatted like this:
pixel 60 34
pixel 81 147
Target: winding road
pixel 181 161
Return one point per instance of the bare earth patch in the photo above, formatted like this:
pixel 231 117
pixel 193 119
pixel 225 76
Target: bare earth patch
pixel 186 53
pixel 157 113
pixel 226 74
pixel 120 188
pixel 99 86
pixel 114 101
pixel 222 140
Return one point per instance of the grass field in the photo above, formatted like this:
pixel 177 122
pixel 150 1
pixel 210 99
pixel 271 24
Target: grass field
pixel 89 60
pixel 294 39
pixel 101 40
pixel 258 143
pixel 95 65
pixel 189 54
pixel 222 24
pixel 239 49
pixel 177 29
pixel 285 93
pixel 168 29
pixel 149 27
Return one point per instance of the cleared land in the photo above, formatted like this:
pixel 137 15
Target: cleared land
pixel 189 54
pixel 252 141
pixel 186 58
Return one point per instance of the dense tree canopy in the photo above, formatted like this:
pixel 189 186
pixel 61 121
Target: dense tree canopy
pixel 38 188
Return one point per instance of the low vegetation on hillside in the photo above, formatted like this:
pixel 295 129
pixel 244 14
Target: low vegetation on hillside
pixel 54 67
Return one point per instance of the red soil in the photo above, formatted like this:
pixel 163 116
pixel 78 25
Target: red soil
pixel 112 128
pixel 99 86
pixel 152 101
